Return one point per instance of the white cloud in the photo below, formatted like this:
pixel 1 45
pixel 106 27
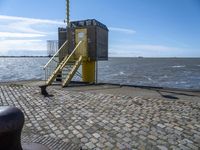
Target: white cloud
pixel 30 20
pixel 19 33
pixel 30 25
pixel 123 30
pixel 15 45
pixel 146 50
pixel 156 47
pixel 148 47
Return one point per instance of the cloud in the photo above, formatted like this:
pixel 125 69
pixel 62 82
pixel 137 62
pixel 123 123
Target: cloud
pixel 6 45
pixel 30 20
pixel 146 50
pixel 20 33
pixel 148 47
pixel 123 30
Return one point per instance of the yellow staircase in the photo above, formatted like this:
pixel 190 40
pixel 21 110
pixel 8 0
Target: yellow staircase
pixel 72 72
pixel 58 70
pixel 68 63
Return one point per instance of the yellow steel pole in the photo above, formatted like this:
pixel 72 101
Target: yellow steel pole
pixel 88 71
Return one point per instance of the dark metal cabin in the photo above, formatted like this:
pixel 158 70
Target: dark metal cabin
pixel 97 38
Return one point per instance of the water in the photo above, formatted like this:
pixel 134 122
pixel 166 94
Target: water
pixel 14 69
pixel 181 73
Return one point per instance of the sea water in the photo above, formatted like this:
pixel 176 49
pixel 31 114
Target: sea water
pixel 181 73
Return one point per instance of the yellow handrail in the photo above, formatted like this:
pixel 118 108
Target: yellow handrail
pixel 55 55
pixel 69 57
pixel 61 65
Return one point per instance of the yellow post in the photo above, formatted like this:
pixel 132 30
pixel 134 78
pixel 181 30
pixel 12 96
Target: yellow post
pixel 88 71
pixel 88 66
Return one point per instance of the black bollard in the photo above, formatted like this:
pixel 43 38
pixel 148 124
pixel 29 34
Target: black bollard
pixel 11 124
pixel 44 91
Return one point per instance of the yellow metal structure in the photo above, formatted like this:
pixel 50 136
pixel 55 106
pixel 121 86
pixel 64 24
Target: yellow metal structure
pixel 88 66
pixel 72 72
pixel 81 35
pixel 88 71
pixel 78 33
pixel 56 71
pixel 80 56
pixel 67 59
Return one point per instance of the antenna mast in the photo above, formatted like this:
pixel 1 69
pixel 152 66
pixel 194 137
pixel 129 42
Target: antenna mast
pixel 67 12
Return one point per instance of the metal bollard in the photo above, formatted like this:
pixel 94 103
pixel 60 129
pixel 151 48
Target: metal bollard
pixel 11 124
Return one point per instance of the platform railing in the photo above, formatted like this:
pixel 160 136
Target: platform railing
pixel 54 61
pixel 63 64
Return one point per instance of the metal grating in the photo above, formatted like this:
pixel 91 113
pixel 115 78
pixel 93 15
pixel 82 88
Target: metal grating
pixel 52 47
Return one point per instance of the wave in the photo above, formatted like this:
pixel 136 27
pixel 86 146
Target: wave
pixel 148 78
pixel 121 73
pixel 137 73
pixel 178 66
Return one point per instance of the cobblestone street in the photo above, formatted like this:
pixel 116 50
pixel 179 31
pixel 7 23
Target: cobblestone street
pixel 106 121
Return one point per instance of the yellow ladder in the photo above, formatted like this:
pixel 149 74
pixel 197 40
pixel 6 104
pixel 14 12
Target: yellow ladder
pixel 72 72
pixel 61 66
pixel 58 70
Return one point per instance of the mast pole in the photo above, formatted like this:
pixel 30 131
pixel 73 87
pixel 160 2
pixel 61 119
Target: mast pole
pixel 67 12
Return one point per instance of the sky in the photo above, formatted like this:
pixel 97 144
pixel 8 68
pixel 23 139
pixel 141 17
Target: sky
pixel 148 28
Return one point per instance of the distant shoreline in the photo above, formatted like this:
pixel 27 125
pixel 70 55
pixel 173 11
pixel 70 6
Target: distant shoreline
pixel 23 56
pixel 109 57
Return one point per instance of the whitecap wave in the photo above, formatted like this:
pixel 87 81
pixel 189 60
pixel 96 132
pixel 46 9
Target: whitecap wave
pixel 121 73
pixel 148 78
pixel 178 66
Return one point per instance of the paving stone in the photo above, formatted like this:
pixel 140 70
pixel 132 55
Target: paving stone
pixel 93 140
pixel 183 147
pixel 66 131
pixel 142 137
pixel 178 128
pixel 100 121
pixel 192 146
pixel 135 129
pixel 108 144
pixel 96 135
pixel 116 128
pixel 78 127
pixel 161 125
pixel 162 147
pixel 121 146
pixel 126 139
pixel 75 132
pixel 90 145
pixel 152 137
pixel 84 140
pixel 79 135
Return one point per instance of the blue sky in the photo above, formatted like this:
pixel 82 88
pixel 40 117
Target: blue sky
pixel 150 28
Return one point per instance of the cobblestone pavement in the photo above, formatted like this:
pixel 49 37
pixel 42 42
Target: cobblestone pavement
pixel 106 121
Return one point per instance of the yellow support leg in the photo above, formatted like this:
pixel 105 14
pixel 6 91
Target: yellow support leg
pixel 88 71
